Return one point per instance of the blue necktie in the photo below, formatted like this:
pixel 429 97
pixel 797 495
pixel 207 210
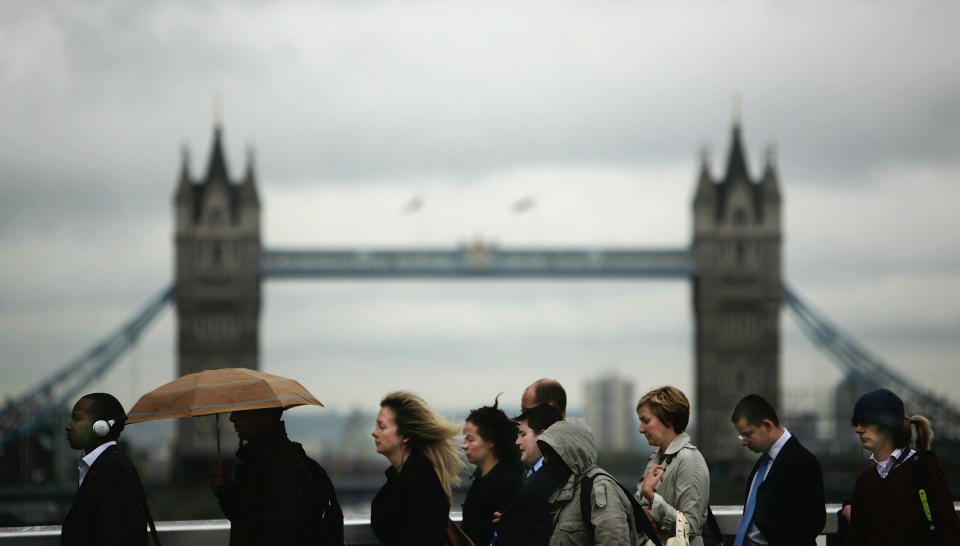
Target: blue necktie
pixel 751 501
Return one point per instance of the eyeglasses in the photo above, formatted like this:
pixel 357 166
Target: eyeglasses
pixel 746 435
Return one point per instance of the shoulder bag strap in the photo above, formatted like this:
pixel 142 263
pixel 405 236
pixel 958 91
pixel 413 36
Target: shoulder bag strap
pixel 714 526
pixel 143 496
pixel 153 528
pixel 921 480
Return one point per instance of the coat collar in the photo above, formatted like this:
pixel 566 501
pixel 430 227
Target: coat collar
pixel 681 441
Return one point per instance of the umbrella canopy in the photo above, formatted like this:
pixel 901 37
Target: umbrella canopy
pixel 219 391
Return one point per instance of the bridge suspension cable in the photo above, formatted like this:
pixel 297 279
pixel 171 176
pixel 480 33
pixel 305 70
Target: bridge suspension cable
pixel 44 402
pixel 868 369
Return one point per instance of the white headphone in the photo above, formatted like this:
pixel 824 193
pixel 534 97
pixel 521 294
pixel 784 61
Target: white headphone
pixel 102 428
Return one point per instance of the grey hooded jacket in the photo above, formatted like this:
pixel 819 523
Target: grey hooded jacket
pixel 611 513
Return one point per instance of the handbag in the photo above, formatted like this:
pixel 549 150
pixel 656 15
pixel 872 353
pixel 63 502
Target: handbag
pixel 681 538
pixel 455 535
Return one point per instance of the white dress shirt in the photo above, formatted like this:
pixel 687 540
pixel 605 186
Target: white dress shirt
pixel 895 459
pixel 87 461
pixel 754 535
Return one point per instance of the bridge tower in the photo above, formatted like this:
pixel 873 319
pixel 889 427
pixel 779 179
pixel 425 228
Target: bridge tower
pixel 217 287
pixel 737 296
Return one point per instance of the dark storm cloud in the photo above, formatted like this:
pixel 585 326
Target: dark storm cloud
pixel 861 100
pixel 376 90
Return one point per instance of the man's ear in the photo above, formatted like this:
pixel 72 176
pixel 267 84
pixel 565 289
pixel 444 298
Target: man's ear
pixel 768 424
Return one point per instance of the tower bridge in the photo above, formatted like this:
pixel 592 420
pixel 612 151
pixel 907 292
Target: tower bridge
pixel 734 262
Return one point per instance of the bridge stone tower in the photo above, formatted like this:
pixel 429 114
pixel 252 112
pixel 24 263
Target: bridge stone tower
pixel 217 287
pixel 737 296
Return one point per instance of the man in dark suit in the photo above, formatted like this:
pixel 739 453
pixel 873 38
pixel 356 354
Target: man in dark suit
pixel 784 503
pixel 109 507
pixel 528 518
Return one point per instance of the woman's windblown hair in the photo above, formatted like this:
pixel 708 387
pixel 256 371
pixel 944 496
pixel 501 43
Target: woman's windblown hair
pixel 428 434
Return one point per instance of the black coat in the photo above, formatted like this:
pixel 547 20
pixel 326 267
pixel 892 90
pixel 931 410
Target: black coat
pixel 489 494
pixel 411 508
pixel 267 503
pixel 108 508
pixel 790 504
pixel 528 517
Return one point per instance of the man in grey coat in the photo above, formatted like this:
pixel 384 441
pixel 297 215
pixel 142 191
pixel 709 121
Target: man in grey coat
pixel 570 454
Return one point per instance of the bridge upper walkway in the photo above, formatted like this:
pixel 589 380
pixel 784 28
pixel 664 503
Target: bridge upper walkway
pixel 39 406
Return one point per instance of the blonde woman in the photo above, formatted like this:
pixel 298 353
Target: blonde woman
pixel 412 508
pixel 677 478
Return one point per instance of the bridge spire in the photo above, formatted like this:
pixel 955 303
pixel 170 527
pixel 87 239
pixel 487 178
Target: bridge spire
pixel 217 165
pixel 736 161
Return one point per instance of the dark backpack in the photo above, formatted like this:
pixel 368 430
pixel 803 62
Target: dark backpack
pixel 639 516
pixel 324 526
pixel 643 524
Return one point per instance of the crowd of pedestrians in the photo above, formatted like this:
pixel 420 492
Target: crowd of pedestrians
pixel 535 479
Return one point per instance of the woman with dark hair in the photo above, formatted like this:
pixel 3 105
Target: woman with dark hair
pixel 888 506
pixel 413 507
pixel 489 442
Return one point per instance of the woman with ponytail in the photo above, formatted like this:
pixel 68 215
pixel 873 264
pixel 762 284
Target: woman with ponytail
pixel 903 496
pixel 413 507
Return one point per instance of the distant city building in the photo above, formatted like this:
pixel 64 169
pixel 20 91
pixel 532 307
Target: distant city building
pixel 609 411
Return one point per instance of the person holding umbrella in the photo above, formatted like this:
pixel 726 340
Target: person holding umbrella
pixel 272 499
pixel 278 495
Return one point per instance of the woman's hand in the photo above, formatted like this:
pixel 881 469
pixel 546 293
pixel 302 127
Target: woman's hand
pixel 650 481
pixel 846 511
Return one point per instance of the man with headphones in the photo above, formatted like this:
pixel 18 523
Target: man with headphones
pixel 109 507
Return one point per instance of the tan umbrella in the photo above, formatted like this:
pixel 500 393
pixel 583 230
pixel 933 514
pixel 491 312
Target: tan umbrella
pixel 219 391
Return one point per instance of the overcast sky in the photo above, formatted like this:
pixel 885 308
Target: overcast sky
pixel 596 110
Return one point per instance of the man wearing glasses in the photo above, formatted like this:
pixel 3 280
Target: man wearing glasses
pixel 784 503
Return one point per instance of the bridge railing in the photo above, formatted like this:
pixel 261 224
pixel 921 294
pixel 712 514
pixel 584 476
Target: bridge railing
pixel 357 529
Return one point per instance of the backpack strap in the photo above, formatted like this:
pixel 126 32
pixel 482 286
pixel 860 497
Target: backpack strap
pixel 921 481
pixel 586 506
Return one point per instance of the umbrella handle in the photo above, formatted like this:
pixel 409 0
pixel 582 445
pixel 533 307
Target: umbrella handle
pixel 219 461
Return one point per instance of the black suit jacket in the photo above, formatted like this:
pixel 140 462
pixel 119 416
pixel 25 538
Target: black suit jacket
pixel 108 508
pixel 790 504
pixel 528 518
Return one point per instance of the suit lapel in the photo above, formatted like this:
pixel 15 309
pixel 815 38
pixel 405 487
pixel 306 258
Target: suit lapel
pixel 778 464
pixel 526 486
